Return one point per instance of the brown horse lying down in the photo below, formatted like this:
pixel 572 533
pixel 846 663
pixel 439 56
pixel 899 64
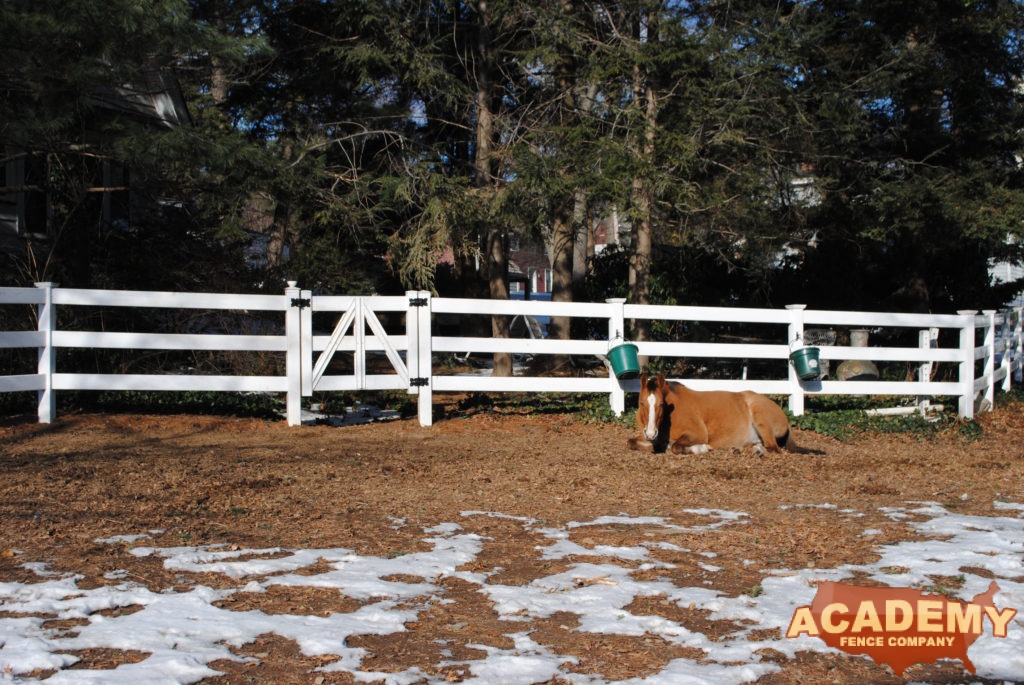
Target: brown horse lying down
pixel 671 416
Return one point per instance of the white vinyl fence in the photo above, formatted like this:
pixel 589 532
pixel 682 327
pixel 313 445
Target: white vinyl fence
pixel 392 343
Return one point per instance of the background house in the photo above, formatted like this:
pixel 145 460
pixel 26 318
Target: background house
pixel 26 210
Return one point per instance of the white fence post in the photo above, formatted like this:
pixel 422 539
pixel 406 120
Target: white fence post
pixel 616 329
pixel 966 370
pixel 47 362
pixel 1015 341
pixel 293 355
pixel 419 354
pixel 927 339
pixel 990 357
pixel 1005 339
pixel 796 332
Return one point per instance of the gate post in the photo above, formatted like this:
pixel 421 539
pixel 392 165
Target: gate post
pixel 293 352
pixel 419 355
pixel 966 370
pixel 306 340
pixel 47 361
pixel 796 332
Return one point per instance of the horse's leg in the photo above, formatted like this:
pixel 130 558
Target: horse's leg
pixel 693 440
pixel 680 448
pixel 640 444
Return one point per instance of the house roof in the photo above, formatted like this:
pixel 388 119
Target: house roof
pixel 156 98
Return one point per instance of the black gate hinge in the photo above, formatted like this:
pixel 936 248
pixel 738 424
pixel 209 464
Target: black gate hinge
pixel 417 302
pixel 301 302
pixel 419 382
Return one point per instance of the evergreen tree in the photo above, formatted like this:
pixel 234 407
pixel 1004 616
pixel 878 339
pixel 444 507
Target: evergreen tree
pixel 915 122
pixel 387 145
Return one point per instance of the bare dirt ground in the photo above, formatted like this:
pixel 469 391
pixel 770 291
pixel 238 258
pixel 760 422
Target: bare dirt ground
pixel 252 483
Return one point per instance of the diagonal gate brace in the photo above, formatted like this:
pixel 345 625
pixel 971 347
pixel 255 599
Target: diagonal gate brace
pixel 357 318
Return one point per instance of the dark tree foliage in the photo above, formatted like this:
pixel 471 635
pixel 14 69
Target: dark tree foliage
pixel 839 153
pixel 913 124
pixel 75 79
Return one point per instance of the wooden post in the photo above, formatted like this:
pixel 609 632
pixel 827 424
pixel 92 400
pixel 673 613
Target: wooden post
pixel 47 361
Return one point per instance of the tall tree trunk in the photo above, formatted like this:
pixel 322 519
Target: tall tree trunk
pixel 494 248
pixel 219 81
pixel 278 238
pixel 584 237
pixel 643 205
pixel 560 249
pixel 280 229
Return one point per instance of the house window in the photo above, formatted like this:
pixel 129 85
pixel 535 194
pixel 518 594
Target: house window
pixel 23 209
pixel 116 206
pixel 8 201
pixel 540 280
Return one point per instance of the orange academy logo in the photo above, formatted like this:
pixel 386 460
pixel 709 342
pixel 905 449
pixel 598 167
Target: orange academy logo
pixel 898 626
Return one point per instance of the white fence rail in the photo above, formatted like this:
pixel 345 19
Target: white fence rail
pixel 977 352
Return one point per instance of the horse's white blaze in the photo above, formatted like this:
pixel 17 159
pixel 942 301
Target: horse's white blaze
pixel 651 432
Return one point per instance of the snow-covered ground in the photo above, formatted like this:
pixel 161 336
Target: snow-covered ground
pixel 184 632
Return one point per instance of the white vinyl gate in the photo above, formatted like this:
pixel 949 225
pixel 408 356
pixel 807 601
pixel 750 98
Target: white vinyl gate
pixel 360 333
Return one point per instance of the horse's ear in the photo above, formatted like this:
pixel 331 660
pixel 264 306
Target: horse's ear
pixel 661 380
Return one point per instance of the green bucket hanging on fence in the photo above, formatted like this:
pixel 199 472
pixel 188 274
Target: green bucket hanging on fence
pixel 805 361
pixel 624 360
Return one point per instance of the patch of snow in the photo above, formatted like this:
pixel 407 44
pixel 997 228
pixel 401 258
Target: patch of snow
pixel 184 631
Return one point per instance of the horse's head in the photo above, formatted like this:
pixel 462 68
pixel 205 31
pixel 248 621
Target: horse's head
pixel 651 410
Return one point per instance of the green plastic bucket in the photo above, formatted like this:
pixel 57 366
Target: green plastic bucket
pixel 625 363
pixel 805 361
